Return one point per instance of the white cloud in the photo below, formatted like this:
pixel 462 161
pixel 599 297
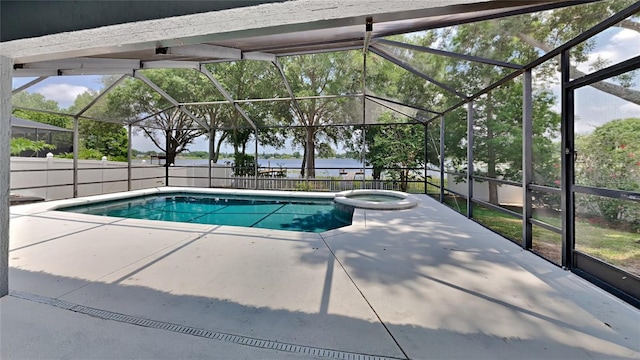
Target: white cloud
pixel 625 35
pixel 64 94
pixel 630 110
pixel 614 49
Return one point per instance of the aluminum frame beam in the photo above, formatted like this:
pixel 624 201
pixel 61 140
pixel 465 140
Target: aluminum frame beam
pixel 134 122
pixel 442 149
pixel 294 101
pixel 450 54
pixel 259 56
pixel 320 51
pixel 364 101
pixel 78 66
pixel 397 111
pixel 202 51
pixel 606 73
pixel 62 72
pixel 28 85
pixel 402 104
pixel 76 148
pixel 385 55
pixel 240 101
pixel 567 162
pixel 470 179
pixel 527 160
pixel 6 68
pixel 168 97
pixel 239 109
pixel 129 155
pixel 42 111
pixel 103 93
pixel 170 64
pixel 368 32
pixel 81 63
pixel 585 35
pixel 227 96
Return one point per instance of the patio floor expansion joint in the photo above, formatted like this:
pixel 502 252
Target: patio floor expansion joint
pixel 198 332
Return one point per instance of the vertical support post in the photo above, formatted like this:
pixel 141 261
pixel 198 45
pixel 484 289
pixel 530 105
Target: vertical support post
pixel 129 153
pixel 527 160
pixel 37 138
pixel 76 142
pixel 426 153
pixel 442 158
pixel 255 164
pixel 211 149
pixel 166 157
pixel 364 116
pixel 567 163
pixel 6 69
pixel 470 159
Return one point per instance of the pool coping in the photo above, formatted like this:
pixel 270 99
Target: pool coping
pixel 405 201
pixel 357 222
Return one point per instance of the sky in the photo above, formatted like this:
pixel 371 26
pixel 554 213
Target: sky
pixel 593 107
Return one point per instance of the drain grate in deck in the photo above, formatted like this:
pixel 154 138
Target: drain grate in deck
pixel 188 330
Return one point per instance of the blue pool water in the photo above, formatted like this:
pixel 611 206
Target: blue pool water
pixel 293 214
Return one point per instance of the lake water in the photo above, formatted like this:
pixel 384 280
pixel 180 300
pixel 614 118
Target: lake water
pixel 324 167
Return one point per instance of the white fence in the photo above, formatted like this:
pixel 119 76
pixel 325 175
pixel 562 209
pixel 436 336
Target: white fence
pixel 507 194
pixel 52 179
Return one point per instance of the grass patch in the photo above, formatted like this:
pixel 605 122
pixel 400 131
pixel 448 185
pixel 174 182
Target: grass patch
pixel 615 246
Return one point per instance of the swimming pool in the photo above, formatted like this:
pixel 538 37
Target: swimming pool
pixel 280 213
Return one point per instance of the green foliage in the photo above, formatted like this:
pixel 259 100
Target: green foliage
pixel 197 155
pixel 98 137
pixel 321 74
pixel 304 186
pixel 610 158
pixel 243 165
pixel 38 102
pixel 615 246
pixel 20 145
pixel 396 148
pixel 133 99
pixel 89 154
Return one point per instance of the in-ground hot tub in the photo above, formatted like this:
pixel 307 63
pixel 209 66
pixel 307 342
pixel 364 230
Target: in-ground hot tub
pixel 376 199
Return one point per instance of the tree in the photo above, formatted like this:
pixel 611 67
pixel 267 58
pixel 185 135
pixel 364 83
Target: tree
pixel 250 80
pixel 610 158
pixel 133 99
pixel 321 74
pixel 39 102
pixel 398 148
pixel 547 30
pixel 497 114
pixel 106 138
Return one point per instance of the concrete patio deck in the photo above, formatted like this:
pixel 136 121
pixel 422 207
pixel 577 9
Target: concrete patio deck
pixel 423 283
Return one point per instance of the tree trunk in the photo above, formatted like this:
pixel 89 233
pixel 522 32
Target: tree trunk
pixel 213 153
pixel 304 162
pixel 171 152
pixel 216 156
pixel 404 180
pixel 491 171
pixel 310 151
pixel 377 171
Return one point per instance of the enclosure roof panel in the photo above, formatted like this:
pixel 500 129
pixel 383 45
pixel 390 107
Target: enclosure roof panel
pixel 29 124
pixel 280 28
